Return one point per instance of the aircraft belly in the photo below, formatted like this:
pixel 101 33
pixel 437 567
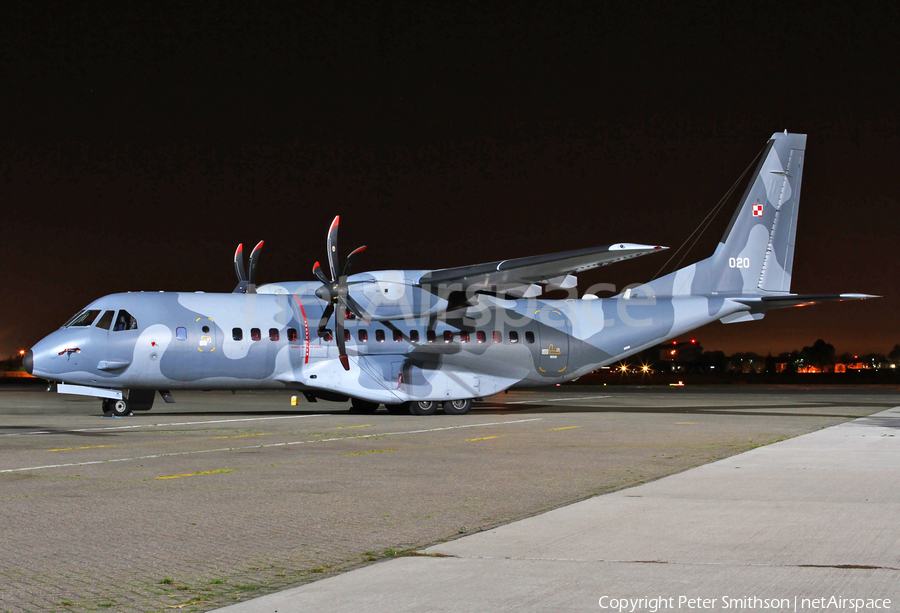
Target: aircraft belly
pixel 420 375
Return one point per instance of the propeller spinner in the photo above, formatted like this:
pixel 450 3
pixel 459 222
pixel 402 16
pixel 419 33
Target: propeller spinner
pixel 336 292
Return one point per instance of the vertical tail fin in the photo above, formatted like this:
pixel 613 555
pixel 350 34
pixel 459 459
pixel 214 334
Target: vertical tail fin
pixel 756 254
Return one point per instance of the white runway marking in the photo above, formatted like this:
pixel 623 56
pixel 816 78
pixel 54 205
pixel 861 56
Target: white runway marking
pixel 183 423
pixel 327 440
pixel 555 400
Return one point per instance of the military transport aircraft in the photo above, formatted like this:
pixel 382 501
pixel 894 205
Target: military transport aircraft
pixel 417 340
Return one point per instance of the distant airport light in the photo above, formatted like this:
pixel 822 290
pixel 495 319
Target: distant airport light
pixel 21 352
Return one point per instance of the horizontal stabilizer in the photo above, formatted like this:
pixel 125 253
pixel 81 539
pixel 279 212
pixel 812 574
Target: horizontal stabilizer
pixel 795 300
pixel 758 306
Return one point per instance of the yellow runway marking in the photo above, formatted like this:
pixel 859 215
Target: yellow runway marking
pixel 348 427
pixel 73 448
pixel 373 451
pixel 204 472
pixel 486 438
pixel 241 435
pixel 264 446
pixel 565 428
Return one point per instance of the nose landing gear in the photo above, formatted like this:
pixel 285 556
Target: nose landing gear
pixel 117 408
pixel 137 400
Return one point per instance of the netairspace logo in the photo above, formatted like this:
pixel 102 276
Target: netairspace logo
pixel 745 603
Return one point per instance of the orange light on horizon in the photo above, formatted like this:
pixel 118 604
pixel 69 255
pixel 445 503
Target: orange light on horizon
pixel 21 352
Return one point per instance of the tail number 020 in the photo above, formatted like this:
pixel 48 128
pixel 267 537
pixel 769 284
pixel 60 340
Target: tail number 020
pixel 739 262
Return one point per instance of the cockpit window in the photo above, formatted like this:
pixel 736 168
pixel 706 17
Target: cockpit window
pixel 85 318
pixel 125 321
pixel 106 321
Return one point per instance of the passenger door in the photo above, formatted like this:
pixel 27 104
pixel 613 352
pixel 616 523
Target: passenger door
pixel 554 339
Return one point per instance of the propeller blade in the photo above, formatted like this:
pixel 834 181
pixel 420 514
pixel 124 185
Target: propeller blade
pixel 326 315
pixel 254 260
pixel 341 341
pixel 331 244
pixel 239 263
pixel 320 274
pixel 356 309
pixel 349 262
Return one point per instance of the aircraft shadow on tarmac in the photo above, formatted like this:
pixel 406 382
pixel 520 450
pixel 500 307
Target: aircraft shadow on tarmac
pixel 503 409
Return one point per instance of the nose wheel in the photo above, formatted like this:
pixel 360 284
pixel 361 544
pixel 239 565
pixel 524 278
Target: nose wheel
pixel 117 408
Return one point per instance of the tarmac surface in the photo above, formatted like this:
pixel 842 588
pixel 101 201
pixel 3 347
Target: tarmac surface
pixel 220 498
pixel 808 524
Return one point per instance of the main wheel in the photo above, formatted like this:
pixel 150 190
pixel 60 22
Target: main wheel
pixel 120 408
pixel 362 406
pixel 424 407
pixel 458 407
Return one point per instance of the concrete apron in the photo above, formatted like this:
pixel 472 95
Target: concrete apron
pixel 813 517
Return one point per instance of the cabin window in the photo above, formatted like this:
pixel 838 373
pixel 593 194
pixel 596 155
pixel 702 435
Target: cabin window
pixel 463 337
pixel 346 335
pixel 85 318
pixel 498 338
pixel 513 337
pixel 529 337
pixel 125 321
pixel 413 336
pixel 326 335
pixel 181 334
pixel 292 335
pixel 106 321
pixel 205 329
pixel 379 336
pixel 255 334
pixel 431 336
pixel 363 336
pixel 237 334
pixel 448 336
pixel 273 334
pixel 480 336
pixel 397 336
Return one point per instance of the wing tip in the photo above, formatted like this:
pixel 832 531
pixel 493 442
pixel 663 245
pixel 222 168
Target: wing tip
pixel 636 247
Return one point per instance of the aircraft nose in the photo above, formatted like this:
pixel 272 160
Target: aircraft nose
pixel 28 362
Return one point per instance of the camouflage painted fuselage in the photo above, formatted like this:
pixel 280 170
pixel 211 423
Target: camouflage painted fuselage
pixel 492 347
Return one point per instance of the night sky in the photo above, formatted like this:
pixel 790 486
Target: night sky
pixel 139 145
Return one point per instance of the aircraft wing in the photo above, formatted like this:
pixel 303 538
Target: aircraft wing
pixel 508 276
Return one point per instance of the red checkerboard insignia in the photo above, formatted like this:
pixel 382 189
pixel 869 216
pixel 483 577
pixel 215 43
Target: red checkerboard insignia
pixel 757 210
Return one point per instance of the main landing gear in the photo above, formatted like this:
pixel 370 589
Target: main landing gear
pixel 425 407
